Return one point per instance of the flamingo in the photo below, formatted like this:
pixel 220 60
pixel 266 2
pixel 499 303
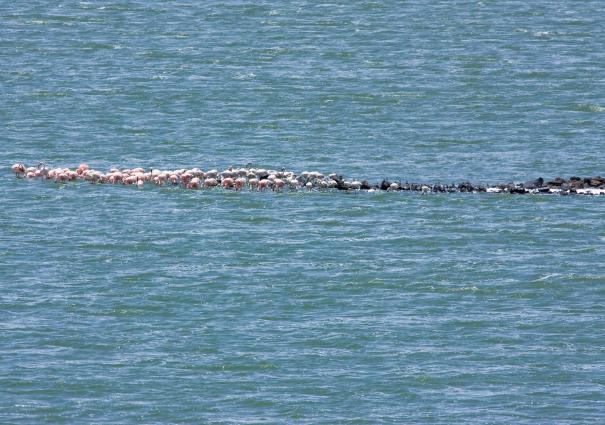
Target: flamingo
pixel 174 179
pixel 294 184
pixel 82 168
pixel 278 184
pixel 262 184
pixel 130 180
pixel 18 169
pixel 227 182
pixel 239 183
pixel 41 170
pixel 208 183
pixel 194 183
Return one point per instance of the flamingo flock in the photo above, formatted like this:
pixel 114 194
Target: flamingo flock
pixel 258 179
pixel 261 179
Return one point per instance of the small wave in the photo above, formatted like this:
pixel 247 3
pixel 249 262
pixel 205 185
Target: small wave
pixel 246 76
pixel 588 107
pixel 547 277
pixel 47 93
pixel 542 34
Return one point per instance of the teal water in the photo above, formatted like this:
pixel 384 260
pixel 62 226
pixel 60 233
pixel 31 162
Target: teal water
pixel 168 306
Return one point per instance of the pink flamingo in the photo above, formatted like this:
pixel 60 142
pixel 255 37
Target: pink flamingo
pixel 186 177
pixel 115 178
pixel 194 183
pixel 228 183
pixel 61 177
pixel 82 168
pixel 278 184
pixel 159 180
pixel 294 184
pixel 262 185
pixel 41 170
pixel 239 183
pixel 208 183
pixel 91 176
pixel 174 179
pixel 18 169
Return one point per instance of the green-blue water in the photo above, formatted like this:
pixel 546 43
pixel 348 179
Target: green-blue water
pixel 169 306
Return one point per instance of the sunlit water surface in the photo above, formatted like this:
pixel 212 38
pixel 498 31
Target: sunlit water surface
pixel 161 306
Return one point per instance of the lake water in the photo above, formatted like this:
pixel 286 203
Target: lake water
pixel 162 306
